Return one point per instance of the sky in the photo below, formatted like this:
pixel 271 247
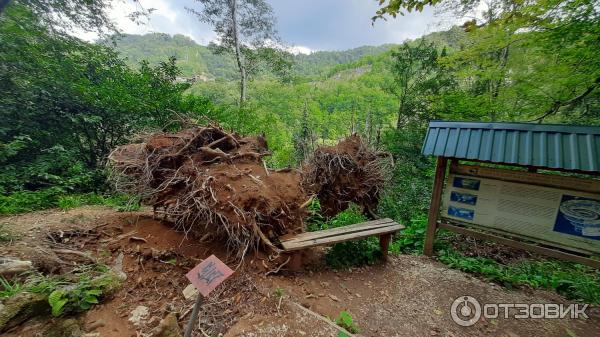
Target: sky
pixel 303 25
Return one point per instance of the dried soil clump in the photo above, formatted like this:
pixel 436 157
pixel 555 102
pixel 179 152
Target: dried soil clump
pixel 349 172
pixel 212 183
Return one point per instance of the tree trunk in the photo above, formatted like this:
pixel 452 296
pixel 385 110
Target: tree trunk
pixel 400 121
pixel 368 125
pixel 495 85
pixel 352 126
pixel 238 53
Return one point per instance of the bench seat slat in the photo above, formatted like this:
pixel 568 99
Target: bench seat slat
pixel 341 237
pixel 326 233
pixel 345 229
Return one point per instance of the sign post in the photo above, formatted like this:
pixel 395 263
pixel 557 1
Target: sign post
pixel 511 203
pixel 206 276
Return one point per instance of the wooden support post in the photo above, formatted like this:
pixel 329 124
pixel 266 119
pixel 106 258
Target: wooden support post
pixel 384 243
pixel 434 209
pixel 295 263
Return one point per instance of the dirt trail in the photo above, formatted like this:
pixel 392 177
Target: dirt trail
pixel 411 296
pixel 408 296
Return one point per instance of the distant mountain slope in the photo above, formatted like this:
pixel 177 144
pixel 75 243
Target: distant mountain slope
pixel 192 58
pixel 319 62
pixel 195 59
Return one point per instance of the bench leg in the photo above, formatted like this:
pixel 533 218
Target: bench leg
pixel 295 263
pixel 384 243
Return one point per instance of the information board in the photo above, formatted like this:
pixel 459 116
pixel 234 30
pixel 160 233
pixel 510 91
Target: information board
pixel 568 218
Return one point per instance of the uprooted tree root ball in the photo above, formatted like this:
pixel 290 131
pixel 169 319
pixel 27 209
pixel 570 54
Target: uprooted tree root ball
pixel 349 172
pixel 212 183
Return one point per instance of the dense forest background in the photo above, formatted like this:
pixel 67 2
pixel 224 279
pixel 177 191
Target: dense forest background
pixel 66 103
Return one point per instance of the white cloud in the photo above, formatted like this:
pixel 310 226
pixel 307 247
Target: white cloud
pixel 300 50
pixel 307 25
pixel 164 19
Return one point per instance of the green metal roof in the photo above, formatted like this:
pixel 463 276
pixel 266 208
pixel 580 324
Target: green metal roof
pixel 569 147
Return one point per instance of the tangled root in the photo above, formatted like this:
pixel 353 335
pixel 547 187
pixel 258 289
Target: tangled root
pixel 349 172
pixel 208 181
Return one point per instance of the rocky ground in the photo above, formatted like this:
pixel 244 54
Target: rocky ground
pixel 408 296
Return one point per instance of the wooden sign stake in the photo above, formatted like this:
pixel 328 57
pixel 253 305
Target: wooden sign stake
pixel 206 276
pixel 194 318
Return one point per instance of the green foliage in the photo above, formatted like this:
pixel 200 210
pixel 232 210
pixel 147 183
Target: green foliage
pixel 417 77
pixel 69 293
pixel 315 221
pixel 353 253
pixel 68 14
pixel 80 298
pixel 410 241
pixel 408 195
pixel 27 201
pixel 9 289
pixel 57 301
pixel 344 254
pixel 395 7
pixel 573 281
pixel 192 58
pixel 70 103
pixel 346 321
pixel 350 216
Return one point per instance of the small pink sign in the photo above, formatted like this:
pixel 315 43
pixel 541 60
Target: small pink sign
pixel 207 275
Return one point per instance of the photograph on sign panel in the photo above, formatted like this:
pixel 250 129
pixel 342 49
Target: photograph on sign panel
pixel 464 213
pixel 579 216
pixel 463 198
pixel 469 184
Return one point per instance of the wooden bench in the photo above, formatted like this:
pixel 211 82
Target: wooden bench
pixel 384 228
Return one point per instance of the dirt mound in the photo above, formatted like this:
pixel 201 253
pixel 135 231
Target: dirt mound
pixel 349 172
pixel 212 183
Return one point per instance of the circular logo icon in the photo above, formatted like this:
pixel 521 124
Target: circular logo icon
pixel 465 311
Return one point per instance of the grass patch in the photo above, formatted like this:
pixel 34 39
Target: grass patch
pixel 574 281
pixel 344 254
pixel 68 293
pixel 9 288
pixel 28 201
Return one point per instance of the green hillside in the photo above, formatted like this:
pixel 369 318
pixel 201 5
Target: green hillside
pixel 194 59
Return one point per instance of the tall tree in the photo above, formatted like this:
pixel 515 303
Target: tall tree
pixel 414 71
pixel 530 60
pixel 246 29
pixel 87 15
